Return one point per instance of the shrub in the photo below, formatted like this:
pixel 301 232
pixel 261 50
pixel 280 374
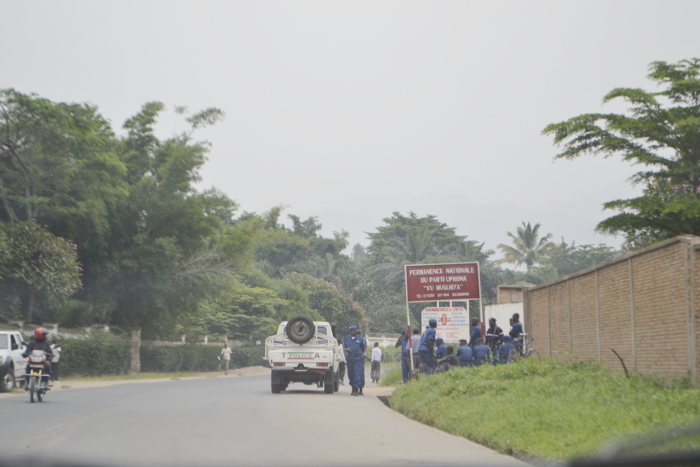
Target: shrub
pixel 100 354
pixel 196 357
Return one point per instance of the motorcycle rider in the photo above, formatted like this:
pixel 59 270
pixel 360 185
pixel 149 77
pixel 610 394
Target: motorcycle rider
pixel 39 342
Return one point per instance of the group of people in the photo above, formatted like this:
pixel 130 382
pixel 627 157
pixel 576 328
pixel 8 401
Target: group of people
pixel 432 354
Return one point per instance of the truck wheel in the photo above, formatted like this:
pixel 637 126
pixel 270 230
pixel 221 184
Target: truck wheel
pixel 300 329
pixel 7 383
pixel 276 388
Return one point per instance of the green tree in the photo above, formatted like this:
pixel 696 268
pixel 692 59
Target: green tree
pixel 528 247
pixel 164 253
pixel 570 258
pixel 32 261
pixel 661 132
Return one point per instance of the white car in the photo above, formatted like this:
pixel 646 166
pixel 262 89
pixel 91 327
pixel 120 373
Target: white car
pixel 12 364
pixel 303 351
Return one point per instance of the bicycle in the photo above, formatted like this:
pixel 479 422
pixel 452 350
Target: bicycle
pixel 524 346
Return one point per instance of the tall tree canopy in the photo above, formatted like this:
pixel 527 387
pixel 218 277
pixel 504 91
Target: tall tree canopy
pixel 661 132
pixel 528 247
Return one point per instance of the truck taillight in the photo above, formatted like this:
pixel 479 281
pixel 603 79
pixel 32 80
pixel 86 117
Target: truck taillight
pixel 322 364
pixel 278 364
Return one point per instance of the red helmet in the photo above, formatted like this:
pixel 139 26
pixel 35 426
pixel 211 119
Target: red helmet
pixel 40 333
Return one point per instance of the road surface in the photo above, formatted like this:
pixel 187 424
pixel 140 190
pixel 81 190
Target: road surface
pixel 225 421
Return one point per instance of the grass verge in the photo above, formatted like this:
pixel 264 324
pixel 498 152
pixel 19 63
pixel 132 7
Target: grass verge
pixel 546 409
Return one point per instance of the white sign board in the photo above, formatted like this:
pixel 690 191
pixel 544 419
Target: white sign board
pixel 452 322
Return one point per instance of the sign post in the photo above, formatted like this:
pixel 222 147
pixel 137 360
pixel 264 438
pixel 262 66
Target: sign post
pixel 441 282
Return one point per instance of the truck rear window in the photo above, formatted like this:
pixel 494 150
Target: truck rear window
pixel 4 344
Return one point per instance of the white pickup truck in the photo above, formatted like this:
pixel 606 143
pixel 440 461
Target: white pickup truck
pixel 12 364
pixel 303 351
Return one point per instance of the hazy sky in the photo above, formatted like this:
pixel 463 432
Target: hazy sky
pixel 349 111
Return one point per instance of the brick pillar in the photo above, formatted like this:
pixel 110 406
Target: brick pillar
pixel 135 366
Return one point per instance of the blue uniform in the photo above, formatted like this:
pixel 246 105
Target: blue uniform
pixel 492 334
pixel 355 360
pixel 465 355
pixel 427 341
pixel 441 351
pixel 481 354
pixel 476 334
pixel 507 351
pixel 405 364
pixel 517 330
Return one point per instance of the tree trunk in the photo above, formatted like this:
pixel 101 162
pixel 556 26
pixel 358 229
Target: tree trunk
pixel 28 303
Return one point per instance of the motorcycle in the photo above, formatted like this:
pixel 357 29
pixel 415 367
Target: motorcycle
pixel 37 378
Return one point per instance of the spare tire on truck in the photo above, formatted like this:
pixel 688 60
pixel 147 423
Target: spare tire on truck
pixel 300 329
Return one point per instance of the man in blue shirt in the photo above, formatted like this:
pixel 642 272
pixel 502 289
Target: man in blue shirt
pixel 516 331
pixel 507 351
pixel 427 346
pixel 441 348
pixel 481 352
pixel 355 347
pixel 403 342
pixel 464 353
pixel 476 332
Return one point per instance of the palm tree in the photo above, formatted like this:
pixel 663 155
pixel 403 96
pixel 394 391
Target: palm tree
pixel 528 248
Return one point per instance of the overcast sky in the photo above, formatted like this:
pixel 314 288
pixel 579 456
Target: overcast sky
pixel 349 111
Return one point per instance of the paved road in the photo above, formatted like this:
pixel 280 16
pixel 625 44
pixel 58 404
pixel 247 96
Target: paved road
pixel 226 421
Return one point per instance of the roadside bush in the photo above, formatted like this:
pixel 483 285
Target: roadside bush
pixel 196 357
pixel 100 354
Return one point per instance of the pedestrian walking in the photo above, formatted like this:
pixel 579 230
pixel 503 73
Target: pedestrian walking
pixel 225 356
pixel 355 348
pixel 376 363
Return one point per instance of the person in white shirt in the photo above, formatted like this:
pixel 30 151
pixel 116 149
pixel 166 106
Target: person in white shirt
pixel 341 364
pixel 415 343
pixel 225 355
pixel 376 363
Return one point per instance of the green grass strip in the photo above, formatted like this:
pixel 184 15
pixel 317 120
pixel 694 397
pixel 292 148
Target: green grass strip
pixel 546 409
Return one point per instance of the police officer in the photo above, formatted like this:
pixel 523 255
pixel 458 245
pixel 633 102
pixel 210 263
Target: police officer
pixel 507 351
pixel 476 332
pixel 441 348
pixel 493 334
pixel 516 331
pixel 481 352
pixel 427 346
pixel 403 342
pixel 355 347
pixel 465 354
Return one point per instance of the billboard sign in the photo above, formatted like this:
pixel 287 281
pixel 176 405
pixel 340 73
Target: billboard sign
pixel 453 322
pixel 442 282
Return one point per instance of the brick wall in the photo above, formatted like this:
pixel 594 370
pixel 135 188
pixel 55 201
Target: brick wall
pixel 509 294
pixel 643 306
